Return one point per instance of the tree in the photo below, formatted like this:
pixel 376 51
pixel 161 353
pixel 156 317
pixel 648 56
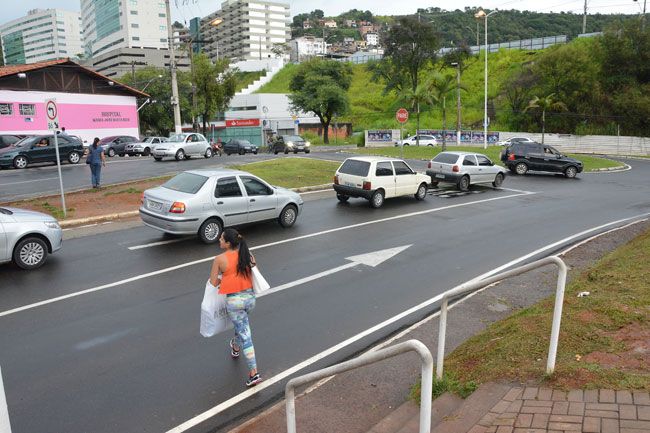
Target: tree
pixel 440 87
pixel 280 49
pixel 416 100
pixel 545 103
pixel 320 86
pixel 215 86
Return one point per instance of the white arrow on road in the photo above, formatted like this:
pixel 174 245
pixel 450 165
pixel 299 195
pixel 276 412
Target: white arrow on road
pixel 372 259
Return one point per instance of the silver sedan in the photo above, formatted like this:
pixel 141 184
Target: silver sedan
pixel 203 202
pixel 465 169
pixel 27 237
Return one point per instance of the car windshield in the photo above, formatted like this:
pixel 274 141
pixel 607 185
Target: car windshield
pixel 106 140
pixel 293 138
pixel 147 140
pixel 446 158
pixel 186 182
pixel 355 167
pixel 5 211
pixel 178 138
pixel 244 142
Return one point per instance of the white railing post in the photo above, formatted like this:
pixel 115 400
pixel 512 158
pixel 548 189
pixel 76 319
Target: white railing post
pixel 5 426
pixel 557 315
pixel 442 331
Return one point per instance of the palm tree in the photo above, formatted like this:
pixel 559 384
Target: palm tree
pixel 545 103
pixel 416 99
pixel 439 88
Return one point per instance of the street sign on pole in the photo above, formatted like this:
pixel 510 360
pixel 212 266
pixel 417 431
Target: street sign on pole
pixel 402 115
pixel 52 112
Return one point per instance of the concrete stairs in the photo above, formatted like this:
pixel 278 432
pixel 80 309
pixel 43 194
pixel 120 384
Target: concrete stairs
pixel 257 84
pixel 449 413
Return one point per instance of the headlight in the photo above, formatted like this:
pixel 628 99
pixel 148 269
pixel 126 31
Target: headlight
pixel 307 143
pixel 52 224
pixel 290 143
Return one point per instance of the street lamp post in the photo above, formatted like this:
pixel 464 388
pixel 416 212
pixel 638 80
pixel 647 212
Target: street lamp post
pixel 643 16
pixel 482 15
pixel 458 121
pixel 215 23
pixel 151 81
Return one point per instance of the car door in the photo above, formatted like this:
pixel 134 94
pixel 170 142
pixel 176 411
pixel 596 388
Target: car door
pixel 385 178
pixel 262 200
pixel 470 166
pixel 553 160
pixel 230 202
pixel 45 153
pixel 486 170
pixel 4 253
pixel 405 179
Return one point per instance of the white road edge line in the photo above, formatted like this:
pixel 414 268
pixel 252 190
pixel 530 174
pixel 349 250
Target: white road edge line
pixel 284 241
pixel 319 356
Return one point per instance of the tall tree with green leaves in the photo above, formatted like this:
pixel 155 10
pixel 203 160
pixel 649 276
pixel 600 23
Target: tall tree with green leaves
pixel 544 104
pixel 439 87
pixel 215 86
pixel 321 86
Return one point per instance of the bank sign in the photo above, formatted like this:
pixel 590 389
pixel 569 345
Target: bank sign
pixel 242 123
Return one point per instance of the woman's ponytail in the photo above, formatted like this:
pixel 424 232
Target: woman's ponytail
pixel 237 241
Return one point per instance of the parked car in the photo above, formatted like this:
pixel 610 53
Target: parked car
pixel 40 148
pixel 464 169
pixel 143 147
pixel 521 157
pixel 116 144
pixel 290 143
pixel 513 140
pixel 27 237
pixel 206 201
pixel 425 140
pixel 239 146
pixel 183 146
pixel 376 178
pixel 7 140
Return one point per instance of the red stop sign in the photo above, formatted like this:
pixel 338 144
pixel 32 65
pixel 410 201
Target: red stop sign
pixel 402 115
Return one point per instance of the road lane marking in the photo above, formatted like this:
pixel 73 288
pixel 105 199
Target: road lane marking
pixel 28 181
pixel 155 244
pixel 271 244
pixel 319 356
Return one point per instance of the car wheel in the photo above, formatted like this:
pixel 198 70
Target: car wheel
pixel 286 152
pixel 210 231
pixel 74 158
pixel 157 158
pixel 30 253
pixel 343 198
pixel 430 145
pixel 275 152
pixel 463 183
pixel 288 216
pixel 147 151
pixel 421 192
pixel 208 153
pixel 571 172
pixel 111 152
pixel 377 199
pixel 295 152
pixel 498 180
pixel 434 183
pixel 20 161
pixel 521 168
pixel 307 151
pixel 180 154
pixel 121 155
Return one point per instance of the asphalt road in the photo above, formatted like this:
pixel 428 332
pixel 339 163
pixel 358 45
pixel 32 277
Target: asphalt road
pixel 128 356
pixel 42 179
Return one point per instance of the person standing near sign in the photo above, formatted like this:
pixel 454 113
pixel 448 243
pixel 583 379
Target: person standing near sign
pixel 96 160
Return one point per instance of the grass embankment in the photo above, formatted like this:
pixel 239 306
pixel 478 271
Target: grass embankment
pixel 604 337
pixel 590 163
pixel 293 172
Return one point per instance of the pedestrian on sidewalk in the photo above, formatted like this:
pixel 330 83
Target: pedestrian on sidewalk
pixel 96 160
pixel 236 282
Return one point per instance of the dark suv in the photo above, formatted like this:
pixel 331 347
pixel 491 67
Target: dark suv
pixel 521 157
pixel 41 148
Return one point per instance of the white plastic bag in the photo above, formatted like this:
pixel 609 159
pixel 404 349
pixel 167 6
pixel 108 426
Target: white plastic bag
pixel 214 317
pixel 260 285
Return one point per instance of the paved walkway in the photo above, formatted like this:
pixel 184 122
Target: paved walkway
pixel 543 410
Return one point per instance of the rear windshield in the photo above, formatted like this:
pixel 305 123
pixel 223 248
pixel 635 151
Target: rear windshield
pixel 446 158
pixel 5 211
pixel 186 182
pixel 355 167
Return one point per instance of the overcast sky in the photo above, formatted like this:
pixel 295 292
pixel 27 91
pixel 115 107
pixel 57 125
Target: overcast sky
pixel 187 9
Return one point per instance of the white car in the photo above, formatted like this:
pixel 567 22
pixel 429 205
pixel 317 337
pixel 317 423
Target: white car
pixel 143 147
pixel 465 169
pixel 376 178
pixel 512 140
pixel 425 140
pixel 183 146
pixel 27 237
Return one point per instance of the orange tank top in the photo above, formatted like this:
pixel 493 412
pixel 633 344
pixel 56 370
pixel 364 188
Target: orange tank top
pixel 231 281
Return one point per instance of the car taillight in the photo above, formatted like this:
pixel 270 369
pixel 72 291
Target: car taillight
pixel 177 207
pixel 142 198
pixel 511 157
pixel 336 180
pixel 429 164
pixel 367 185
pixel 456 169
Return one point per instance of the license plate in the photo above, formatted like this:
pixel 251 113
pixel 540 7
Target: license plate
pixel 349 184
pixel 440 176
pixel 154 205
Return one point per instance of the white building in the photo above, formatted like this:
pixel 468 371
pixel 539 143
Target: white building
pixel 41 35
pixel 306 47
pixel 372 39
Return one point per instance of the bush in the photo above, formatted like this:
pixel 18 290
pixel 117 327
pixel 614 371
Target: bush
pixel 361 140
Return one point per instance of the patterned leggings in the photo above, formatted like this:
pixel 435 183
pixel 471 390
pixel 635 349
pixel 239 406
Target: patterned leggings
pixel 238 306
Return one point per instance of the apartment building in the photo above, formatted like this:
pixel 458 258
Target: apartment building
pixel 307 47
pixel 41 35
pixel 245 30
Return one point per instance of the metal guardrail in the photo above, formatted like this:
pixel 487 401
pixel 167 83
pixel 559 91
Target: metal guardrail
pixel 369 358
pixel 473 286
pixel 5 426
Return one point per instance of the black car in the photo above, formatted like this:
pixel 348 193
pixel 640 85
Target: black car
pixel 239 146
pixel 7 140
pixel 116 144
pixel 40 148
pixel 521 157
pixel 290 143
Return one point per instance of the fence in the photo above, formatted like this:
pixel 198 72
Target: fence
pixel 597 144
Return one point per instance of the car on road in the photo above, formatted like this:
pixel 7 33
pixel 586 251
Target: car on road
pixel 464 169
pixel 7 140
pixel 203 202
pixel 377 178
pixel 183 146
pixel 27 237
pixel 513 140
pixel 40 148
pixel 290 143
pixel 425 140
pixel 522 157
pixel 143 147
pixel 240 147
pixel 116 144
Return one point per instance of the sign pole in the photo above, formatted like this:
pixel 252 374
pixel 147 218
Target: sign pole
pixel 52 112
pixel 58 167
pixel 401 135
pixel 402 116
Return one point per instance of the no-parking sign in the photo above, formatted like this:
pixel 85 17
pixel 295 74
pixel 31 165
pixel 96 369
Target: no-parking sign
pixel 52 113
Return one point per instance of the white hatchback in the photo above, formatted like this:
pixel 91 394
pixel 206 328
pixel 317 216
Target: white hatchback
pixel 183 146
pixel 465 169
pixel 377 178
pixel 423 140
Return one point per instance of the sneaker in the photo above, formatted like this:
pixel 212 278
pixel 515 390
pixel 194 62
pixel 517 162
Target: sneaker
pixel 233 352
pixel 253 380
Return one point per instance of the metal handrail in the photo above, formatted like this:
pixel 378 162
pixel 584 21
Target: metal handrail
pixel 369 358
pixel 5 426
pixel 475 285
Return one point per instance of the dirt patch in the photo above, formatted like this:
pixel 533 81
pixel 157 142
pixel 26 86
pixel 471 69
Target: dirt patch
pixel 636 358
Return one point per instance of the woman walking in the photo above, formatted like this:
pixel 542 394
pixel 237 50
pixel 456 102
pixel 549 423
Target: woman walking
pixel 96 160
pixel 236 282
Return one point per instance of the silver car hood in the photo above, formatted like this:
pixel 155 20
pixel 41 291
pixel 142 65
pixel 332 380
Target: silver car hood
pixel 24 215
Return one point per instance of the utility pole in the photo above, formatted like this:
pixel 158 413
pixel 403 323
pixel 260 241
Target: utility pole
pixel 458 120
pixel 133 73
pixel 172 67
pixel 584 19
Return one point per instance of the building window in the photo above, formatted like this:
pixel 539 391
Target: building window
pixel 134 2
pixel 134 12
pixel 135 38
pixel 162 28
pixel 27 109
pixel 135 26
pixel 162 15
pixel 6 109
pixel 163 40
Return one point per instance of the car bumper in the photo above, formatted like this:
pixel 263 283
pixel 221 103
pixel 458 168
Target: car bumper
pixel 134 151
pixel 56 238
pixel 352 191
pixel 299 149
pixel 444 177
pixel 171 225
pixel 6 162
pixel 163 153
